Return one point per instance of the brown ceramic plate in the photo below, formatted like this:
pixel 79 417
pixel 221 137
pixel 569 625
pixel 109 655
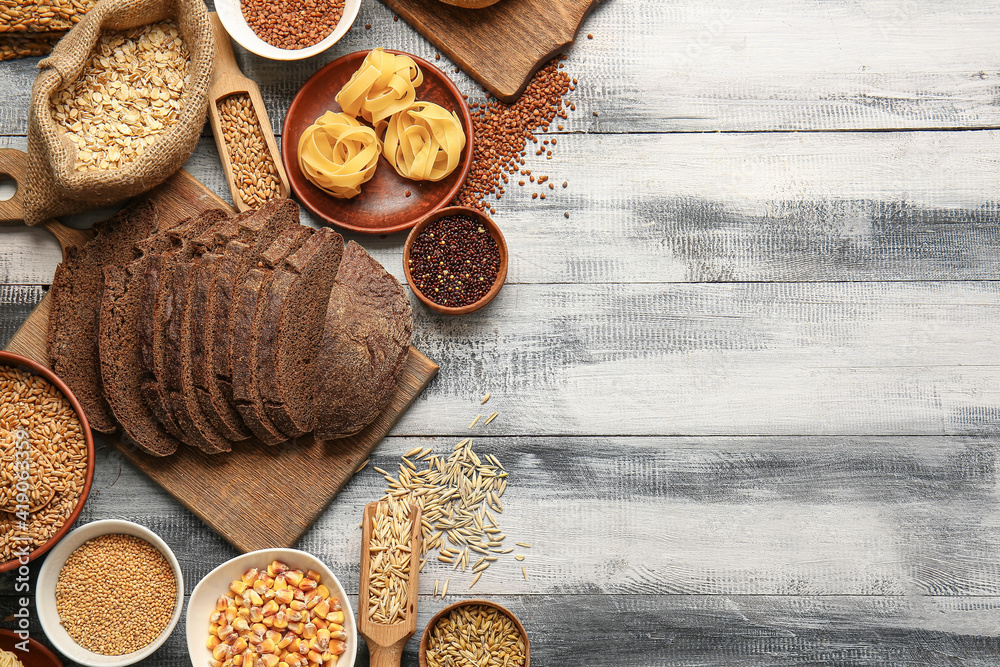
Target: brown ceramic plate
pixel 37 656
pixel 382 207
pixel 33 367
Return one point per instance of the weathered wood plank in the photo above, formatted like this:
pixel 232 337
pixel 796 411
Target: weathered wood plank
pixel 719 359
pixel 715 66
pixel 709 207
pixel 885 517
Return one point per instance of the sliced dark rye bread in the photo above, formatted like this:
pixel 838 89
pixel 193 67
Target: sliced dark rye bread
pixel 210 362
pixel 294 311
pixel 364 347
pixel 155 306
pixel 175 332
pixel 118 342
pixel 248 308
pixel 76 293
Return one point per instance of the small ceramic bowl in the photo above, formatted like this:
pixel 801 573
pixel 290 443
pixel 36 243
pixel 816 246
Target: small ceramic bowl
pixel 232 19
pixel 216 583
pixel 494 231
pixel 33 367
pixel 45 593
pixel 425 638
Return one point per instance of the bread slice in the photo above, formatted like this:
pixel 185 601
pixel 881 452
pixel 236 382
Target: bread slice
pixel 76 294
pixel 294 310
pixel 175 331
pixel 365 342
pixel 154 311
pixel 248 319
pixel 210 361
pixel 118 342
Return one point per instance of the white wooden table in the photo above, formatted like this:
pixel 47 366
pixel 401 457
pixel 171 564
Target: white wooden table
pixel 749 391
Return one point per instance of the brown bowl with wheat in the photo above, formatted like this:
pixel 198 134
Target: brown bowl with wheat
pixel 47 453
pixel 455 260
pixel 482 627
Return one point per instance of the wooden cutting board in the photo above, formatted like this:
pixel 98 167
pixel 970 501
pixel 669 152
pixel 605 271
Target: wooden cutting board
pixel 255 496
pixel 500 46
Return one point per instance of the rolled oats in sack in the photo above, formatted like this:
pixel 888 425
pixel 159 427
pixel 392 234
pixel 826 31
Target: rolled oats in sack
pixel 119 105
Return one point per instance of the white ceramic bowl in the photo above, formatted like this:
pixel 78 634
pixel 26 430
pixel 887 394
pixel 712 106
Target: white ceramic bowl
pixel 232 19
pixel 45 592
pixel 204 596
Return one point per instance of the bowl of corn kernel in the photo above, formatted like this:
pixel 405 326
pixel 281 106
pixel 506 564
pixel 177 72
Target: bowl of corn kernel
pixel 109 594
pixel 270 607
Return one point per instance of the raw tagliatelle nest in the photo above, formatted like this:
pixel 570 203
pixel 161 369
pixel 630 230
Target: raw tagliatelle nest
pixel 423 142
pixel 382 86
pixel 338 154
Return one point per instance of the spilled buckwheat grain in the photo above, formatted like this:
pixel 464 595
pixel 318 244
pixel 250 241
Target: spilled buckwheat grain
pixel 502 131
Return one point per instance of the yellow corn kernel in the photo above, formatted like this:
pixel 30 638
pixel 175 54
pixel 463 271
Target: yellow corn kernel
pixel 294 660
pixel 276 568
pixel 231 613
pixel 281 620
pixel 297 605
pixel 256 614
pixel 221 652
pixel 260 587
pixel 331 661
pixel 250 576
pixel 339 635
pixel 337 648
pixel 270 659
pixel 280 583
pixel 308 585
pixel 224 631
pixel 294 616
pixel 268 646
pixel 322 591
pixel 237 586
pixel 296 627
pixel 244 613
pixel 312 601
pixel 240 645
pixel 309 630
pixel 255 599
pixel 241 625
pixel 250 657
pixel 214 663
pixel 238 660
pixel 314 657
pixel 293 577
pixel 284 596
pixel 299 594
pixel 320 623
pixel 214 628
pixel 258 628
pixel 270 608
pixel 268 621
pixel 322 609
pixel 222 603
pixel 314 575
pixel 275 637
pixel 336 617
pixel 335 627
pixel 213 641
pixel 216 616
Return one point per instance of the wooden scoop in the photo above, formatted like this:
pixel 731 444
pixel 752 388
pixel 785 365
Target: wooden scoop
pixel 227 79
pixel 386 642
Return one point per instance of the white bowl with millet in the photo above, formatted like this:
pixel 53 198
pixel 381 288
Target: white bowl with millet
pixel 48 578
pixel 232 18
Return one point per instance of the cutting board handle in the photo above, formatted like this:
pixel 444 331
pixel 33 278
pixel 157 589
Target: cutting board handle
pixel 13 164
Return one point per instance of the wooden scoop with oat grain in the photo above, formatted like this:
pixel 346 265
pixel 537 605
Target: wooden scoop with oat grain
pixel 390 566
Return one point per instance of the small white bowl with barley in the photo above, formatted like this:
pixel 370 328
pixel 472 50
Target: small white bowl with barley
pixel 297 612
pixel 305 29
pixel 109 594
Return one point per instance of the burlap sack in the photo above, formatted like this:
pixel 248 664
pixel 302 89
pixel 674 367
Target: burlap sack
pixel 54 187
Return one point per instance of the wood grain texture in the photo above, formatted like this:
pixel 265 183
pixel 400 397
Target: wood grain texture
pixel 715 207
pixel 500 46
